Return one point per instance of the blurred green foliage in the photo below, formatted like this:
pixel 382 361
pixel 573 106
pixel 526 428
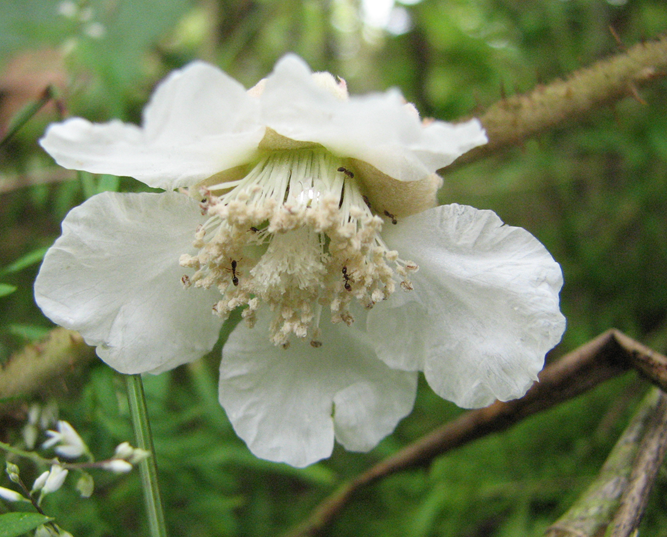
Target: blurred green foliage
pixel 593 192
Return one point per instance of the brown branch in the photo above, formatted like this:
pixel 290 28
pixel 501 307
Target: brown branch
pixel 595 508
pixel 604 357
pixel 9 183
pixel 645 470
pixel 511 121
pixel 39 364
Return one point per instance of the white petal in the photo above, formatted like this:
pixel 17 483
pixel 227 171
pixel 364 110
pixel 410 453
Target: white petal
pixel 114 276
pixel 376 128
pixel 198 122
pixel 289 404
pixel 484 311
pixel 442 143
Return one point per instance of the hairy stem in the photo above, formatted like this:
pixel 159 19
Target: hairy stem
pixel 513 120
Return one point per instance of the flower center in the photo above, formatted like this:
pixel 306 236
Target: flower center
pixel 296 234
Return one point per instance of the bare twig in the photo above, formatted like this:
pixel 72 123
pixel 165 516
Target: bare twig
pixel 606 356
pixel 645 470
pixel 9 183
pixel 596 507
pixel 511 121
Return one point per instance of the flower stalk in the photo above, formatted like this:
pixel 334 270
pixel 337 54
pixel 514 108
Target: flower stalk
pixel 148 466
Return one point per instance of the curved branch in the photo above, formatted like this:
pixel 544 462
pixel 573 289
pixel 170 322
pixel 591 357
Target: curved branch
pixel 602 358
pixel 593 511
pixel 511 121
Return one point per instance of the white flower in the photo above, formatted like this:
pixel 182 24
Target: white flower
pixel 67 441
pixel 131 454
pixel 308 209
pixel 55 478
pixel 11 495
pixel 117 466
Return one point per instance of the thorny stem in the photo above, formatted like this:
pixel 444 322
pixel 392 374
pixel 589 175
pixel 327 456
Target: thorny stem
pixel 34 367
pixel 148 466
pixel 511 121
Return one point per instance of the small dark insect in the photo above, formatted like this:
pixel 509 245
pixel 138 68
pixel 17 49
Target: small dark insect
pixel 235 279
pixel 393 218
pixel 368 203
pixel 254 229
pixel 315 344
pixel 346 277
pixel 346 172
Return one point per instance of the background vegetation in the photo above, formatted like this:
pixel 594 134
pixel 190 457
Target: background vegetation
pixel 592 191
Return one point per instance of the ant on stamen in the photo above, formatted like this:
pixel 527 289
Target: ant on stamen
pixel 346 277
pixel 393 218
pixel 368 203
pixel 346 172
pixel 254 229
pixel 235 279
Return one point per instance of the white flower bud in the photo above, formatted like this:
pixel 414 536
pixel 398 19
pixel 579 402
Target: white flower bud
pixel 124 451
pixel 11 495
pixel 12 471
pixel 117 466
pixel 49 415
pixel 139 455
pixel 43 531
pixel 30 433
pixel 85 485
pixel 39 482
pixel 55 479
pixel 34 413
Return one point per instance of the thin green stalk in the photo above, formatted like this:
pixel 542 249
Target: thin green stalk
pixel 147 467
pixel 27 113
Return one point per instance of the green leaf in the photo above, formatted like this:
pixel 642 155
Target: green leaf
pixel 16 524
pixel 6 289
pixel 22 262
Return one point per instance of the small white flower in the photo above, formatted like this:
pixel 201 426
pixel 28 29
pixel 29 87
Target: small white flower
pixel 11 495
pixel 68 9
pixel 134 455
pixel 312 211
pixel 118 466
pixel 95 30
pixel 54 480
pixel 67 441
pixel 124 451
pixel 40 481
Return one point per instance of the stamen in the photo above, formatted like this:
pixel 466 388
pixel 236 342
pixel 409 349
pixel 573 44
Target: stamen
pixel 295 234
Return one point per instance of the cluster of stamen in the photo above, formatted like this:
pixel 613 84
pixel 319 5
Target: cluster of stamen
pixel 296 234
